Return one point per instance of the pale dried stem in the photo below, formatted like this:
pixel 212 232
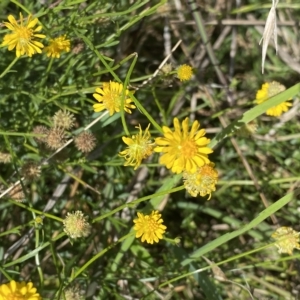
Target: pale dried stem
pixel 159 67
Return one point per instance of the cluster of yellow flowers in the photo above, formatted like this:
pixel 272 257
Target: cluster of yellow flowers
pixel 185 149
pixel 24 37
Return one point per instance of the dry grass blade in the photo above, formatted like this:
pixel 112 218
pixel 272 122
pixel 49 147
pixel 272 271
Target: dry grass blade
pixel 270 29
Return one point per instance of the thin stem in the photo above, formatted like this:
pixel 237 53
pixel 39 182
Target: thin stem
pixel 37 258
pixel 9 67
pixel 137 201
pixel 144 111
pixel 99 255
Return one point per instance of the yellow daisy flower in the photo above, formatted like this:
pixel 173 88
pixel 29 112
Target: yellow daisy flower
pixel 22 36
pixel 18 290
pixel 149 227
pixel 183 151
pixel 110 97
pixel 268 90
pixel 202 182
pixel 184 72
pixel 57 46
pixel 287 239
pixel 139 147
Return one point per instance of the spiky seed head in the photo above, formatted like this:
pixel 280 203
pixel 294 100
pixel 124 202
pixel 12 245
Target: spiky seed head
pixel 73 293
pixel 85 142
pixel 78 48
pixel 41 133
pixel 5 158
pixel 55 138
pixel 30 171
pixel 63 119
pixel 17 193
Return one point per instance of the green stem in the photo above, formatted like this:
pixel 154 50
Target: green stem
pixel 17 2
pixel 100 254
pixel 137 201
pixel 161 110
pixel 36 211
pixel 9 67
pixel 5 274
pixel 127 79
pixel 201 28
pixel 216 264
pixel 144 111
pixel 47 72
pixel 37 258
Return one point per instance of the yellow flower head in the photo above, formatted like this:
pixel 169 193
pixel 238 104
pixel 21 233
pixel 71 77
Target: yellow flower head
pixel 110 98
pixel 268 90
pixel 57 46
pixel 18 290
pixel 184 72
pixel 183 150
pixel 287 239
pixel 23 36
pixel 139 147
pixel 202 182
pixel 149 227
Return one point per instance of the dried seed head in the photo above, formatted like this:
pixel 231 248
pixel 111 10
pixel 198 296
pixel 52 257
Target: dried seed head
pixel 55 138
pixel 76 225
pixel 78 48
pixel 39 131
pixel 166 69
pixel 17 193
pixel 85 142
pixel 5 158
pixel 30 171
pixel 73 293
pixel 63 119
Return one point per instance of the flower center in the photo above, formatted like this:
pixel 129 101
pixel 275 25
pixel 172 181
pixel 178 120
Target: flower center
pixel 15 296
pixel 113 100
pixel 150 224
pixel 188 148
pixel 25 36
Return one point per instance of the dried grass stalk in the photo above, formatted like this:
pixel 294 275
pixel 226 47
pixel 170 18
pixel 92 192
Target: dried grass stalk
pixel 270 29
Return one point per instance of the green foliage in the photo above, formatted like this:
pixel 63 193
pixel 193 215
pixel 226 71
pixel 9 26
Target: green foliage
pixel 125 42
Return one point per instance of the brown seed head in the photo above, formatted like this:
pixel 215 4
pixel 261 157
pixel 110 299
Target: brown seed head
pixel 17 193
pixel 85 142
pixel 30 171
pixel 63 119
pixel 40 130
pixel 78 48
pixel 5 158
pixel 55 138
